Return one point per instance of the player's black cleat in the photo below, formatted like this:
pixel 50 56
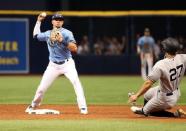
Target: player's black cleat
pixel 137 110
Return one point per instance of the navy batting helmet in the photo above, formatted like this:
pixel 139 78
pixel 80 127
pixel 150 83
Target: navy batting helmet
pixel 170 45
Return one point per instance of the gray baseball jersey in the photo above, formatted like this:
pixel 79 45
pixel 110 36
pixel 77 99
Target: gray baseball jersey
pixel 169 72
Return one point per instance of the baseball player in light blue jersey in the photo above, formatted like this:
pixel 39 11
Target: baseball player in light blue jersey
pixel 145 49
pixel 61 43
pixel 169 72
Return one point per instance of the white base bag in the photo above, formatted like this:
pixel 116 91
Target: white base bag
pixel 44 112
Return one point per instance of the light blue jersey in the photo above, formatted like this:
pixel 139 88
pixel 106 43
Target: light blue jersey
pixel 146 44
pixel 58 51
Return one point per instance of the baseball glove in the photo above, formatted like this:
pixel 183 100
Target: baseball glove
pixel 56 36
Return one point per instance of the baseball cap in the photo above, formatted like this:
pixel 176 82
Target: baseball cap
pixel 147 30
pixel 57 16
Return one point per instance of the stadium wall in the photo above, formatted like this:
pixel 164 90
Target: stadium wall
pixel 128 62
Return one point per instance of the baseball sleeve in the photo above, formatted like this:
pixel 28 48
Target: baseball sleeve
pixel 155 74
pixel 70 38
pixel 37 34
pixel 37 28
pixel 42 36
pixel 140 41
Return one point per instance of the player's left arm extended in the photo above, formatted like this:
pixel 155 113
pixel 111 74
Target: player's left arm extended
pixel 72 47
pixel 146 85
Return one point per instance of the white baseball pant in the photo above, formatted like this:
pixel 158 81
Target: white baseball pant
pixel 146 60
pixel 51 73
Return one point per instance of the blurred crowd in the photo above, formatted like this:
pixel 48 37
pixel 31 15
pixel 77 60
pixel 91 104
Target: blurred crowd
pixel 182 42
pixel 103 46
pixel 116 46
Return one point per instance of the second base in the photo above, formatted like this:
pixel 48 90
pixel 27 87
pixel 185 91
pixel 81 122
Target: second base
pixel 44 112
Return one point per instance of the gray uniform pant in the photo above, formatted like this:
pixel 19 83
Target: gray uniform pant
pixel 158 100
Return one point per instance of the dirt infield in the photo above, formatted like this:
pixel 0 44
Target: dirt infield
pixel 16 112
